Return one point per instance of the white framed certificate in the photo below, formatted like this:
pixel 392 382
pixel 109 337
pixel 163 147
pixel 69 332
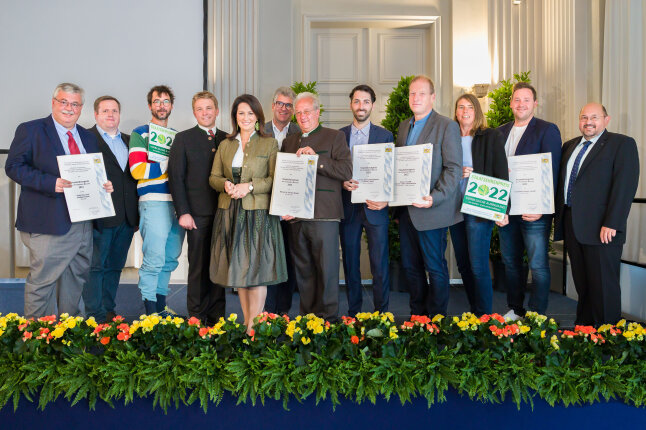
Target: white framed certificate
pixel 86 199
pixel 532 190
pixel 413 166
pixel 486 197
pixel 294 186
pixel 160 140
pixel 373 166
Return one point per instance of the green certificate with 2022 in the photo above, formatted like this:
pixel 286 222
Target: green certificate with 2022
pixel 486 197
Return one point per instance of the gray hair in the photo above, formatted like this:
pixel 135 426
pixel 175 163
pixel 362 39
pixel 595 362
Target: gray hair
pixel 69 88
pixel 306 95
pixel 284 91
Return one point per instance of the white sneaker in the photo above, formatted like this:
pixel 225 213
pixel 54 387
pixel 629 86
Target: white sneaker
pixel 511 316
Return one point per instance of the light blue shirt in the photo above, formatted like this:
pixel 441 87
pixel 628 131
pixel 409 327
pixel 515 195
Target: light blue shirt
pixel 116 145
pixel 358 136
pixel 416 128
pixel 62 134
pixel 570 162
pixel 467 159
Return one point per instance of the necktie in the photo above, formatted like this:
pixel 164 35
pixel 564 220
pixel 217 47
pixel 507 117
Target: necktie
pixel 211 134
pixel 575 171
pixel 71 143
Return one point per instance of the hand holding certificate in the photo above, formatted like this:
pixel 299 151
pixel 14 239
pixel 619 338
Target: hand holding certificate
pixel 486 197
pixel 86 198
pixel 372 168
pixel 293 189
pixel 532 190
pixel 412 174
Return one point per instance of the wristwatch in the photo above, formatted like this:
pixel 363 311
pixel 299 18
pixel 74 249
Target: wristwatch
pixel 250 187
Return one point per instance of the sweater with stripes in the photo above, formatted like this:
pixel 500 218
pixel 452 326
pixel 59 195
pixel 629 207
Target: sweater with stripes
pixel 152 177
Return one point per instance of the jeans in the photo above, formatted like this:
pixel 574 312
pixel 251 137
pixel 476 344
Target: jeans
pixel 422 250
pixel 162 244
pixel 533 237
pixel 471 239
pixel 110 250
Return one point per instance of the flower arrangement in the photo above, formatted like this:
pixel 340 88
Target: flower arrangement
pixel 178 361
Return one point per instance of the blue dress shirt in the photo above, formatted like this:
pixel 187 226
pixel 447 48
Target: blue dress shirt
pixel 416 128
pixel 117 146
pixel 62 134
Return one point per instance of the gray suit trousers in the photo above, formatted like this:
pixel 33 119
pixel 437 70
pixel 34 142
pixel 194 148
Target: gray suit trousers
pixel 59 267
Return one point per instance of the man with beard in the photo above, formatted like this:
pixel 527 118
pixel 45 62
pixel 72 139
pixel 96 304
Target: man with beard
pixel 370 216
pixel 160 230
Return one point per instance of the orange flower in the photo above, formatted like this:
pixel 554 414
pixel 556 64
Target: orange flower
pixel 194 321
pixel 586 329
pixel 498 318
pixel 348 320
pixel 203 331
pixel 105 340
pixel 123 336
pixel 26 335
pixel 354 339
pixel 49 318
pixel 118 318
pixel 485 318
pixel 422 319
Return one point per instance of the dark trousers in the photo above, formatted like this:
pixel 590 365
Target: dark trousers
pixel 279 296
pixel 204 299
pixel 379 263
pixel 109 253
pixel 595 269
pixel 423 251
pixel 315 251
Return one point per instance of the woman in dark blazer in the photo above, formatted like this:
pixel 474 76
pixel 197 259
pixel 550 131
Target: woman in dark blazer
pixel 247 246
pixel 483 151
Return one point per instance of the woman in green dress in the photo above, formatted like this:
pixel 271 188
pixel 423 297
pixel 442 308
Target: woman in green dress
pixel 247 250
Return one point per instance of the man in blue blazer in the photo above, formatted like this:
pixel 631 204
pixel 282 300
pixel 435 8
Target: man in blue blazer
pixel 59 251
pixel 371 216
pixel 525 135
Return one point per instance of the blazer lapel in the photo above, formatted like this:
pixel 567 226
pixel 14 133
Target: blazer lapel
pixel 426 131
pixel 104 148
pixel 52 134
pixel 596 149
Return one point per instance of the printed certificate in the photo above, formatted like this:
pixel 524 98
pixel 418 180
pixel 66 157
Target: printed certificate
pixel 294 185
pixel 86 199
pixel 532 190
pixel 412 174
pixel 159 141
pixel 486 197
pixel 373 166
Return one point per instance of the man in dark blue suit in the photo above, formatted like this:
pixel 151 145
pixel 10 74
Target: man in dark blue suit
pixel 371 216
pixel 59 251
pixel 525 135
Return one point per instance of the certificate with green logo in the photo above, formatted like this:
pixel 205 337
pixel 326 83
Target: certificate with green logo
pixel 486 197
pixel 159 141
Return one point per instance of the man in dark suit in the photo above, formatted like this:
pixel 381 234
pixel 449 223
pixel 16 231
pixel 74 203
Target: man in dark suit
pixel 597 184
pixel 279 296
pixel 315 243
pixel 189 167
pixel 112 236
pixel 423 227
pixel 525 135
pixel 370 216
pixel 59 250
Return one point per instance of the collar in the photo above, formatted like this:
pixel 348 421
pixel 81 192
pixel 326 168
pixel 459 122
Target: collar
pixel 594 139
pixel 62 129
pixel 206 130
pixel 421 121
pixel 239 139
pixel 318 127
pixel 102 132
pixel 365 130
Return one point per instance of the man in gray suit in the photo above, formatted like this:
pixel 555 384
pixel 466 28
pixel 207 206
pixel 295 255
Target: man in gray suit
pixel 423 227
pixel 279 296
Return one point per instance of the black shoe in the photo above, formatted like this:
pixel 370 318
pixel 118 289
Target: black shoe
pixel 161 303
pixel 150 307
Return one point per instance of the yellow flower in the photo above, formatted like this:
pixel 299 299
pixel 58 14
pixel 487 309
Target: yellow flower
pixel 629 334
pixel 456 319
pixel 289 331
pixel 233 317
pixel 64 316
pixel 58 332
pixel 437 318
pixel 554 341
pixel 621 323
pixel 305 340
pixel 90 322
pixel 390 317
pixel 463 325
pixel 524 329
pixel 604 328
pixel 393 332
pixel 542 334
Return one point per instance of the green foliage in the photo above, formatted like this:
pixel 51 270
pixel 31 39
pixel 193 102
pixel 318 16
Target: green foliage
pixel 360 359
pixel 499 112
pixel 397 108
pixel 302 87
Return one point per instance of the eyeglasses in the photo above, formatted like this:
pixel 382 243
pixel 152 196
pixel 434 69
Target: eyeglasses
pixel 284 105
pixel 67 104
pixel 593 118
pixel 165 102
pixel 304 113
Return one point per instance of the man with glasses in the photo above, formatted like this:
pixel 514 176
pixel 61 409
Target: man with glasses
pixel 59 250
pixel 315 242
pixel 279 297
pixel 160 230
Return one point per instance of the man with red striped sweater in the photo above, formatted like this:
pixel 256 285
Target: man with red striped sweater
pixel 162 236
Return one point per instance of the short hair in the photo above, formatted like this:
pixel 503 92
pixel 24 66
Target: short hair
pixel 479 120
pixel 255 106
pixel 307 95
pixel 98 101
pixel 69 88
pixel 283 91
pixel 160 89
pixel 424 78
pixel 365 89
pixel 204 95
pixel 521 85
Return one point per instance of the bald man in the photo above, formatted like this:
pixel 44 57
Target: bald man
pixel 597 183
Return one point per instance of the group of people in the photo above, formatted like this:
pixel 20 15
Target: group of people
pixel 215 188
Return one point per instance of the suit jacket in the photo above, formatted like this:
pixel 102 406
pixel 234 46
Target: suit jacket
pixel 604 189
pixel 334 167
pixel 124 196
pixel 292 128
pixel 539 137
pixel 257 168
pixel 376 135
pixel 32 164
pixel 446 172
pixel 189 167
pixel 489 157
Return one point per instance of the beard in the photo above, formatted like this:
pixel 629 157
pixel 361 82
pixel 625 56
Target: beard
pixel 160 116
pixel 361 115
